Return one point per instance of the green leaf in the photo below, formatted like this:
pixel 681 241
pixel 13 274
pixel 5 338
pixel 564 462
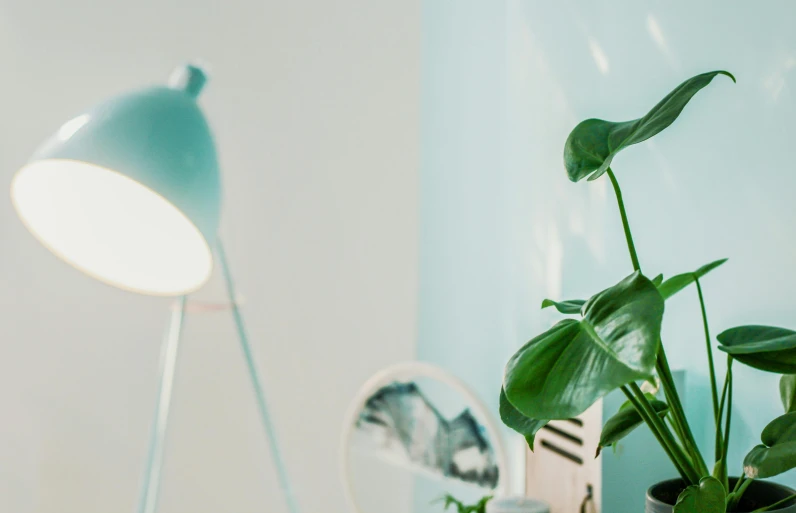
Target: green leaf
pixel 563 371
pixel 778 452
pixel 762 347
pixel 594 143
pixel 624 422
pixel 677 283
pixel 657 280
pixel 781 429
pixel 480 507
pixel 570 306
pixel 449 500
pixel 787 390
pixel 707 497
pixel 763 462
pixel 523 425
pixel 702 271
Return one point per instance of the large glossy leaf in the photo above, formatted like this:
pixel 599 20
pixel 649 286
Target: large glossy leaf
pixel 563 371
pixel 593 144
pixel 624 422
pixel 706 497
pixel 523 425
pixel 677 283
pixel 787 390
pixel 777 454
pixel 762 347
pixel 570 306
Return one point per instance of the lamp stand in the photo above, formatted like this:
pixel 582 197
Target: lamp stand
pixel 148 500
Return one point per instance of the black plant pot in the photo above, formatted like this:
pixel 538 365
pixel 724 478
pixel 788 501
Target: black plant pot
pixel 662 496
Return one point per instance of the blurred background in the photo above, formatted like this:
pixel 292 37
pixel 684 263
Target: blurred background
pixel 393 190
pixel 315 109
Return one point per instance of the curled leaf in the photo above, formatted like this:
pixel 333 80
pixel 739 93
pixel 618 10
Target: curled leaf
pixel 787 390
pixel 777 454
pixel 594 143
pixel 570 306
pixel 763 347
pixel 624 422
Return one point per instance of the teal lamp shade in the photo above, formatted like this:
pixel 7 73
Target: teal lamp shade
pixel 129 191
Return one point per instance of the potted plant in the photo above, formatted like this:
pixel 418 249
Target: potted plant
pixel 615 343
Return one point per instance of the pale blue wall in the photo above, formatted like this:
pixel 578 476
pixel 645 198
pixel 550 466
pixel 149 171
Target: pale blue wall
pixel 501 226
pixel 464 280
pixel 465 285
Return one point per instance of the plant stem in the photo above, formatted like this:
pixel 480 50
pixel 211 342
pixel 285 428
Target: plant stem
pixel 739 482
pixel 719 444
pixel 675 425
pixel 708 346
pixel 723 398
pixel 685 461
pixel 628 236
pixel 729 408
pixel 738 494
pixel 645 416
pixel 776 504
pixel 678 412
pixel 719 436
pixel 683 429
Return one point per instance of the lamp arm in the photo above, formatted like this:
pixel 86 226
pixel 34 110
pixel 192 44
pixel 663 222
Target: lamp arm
pixel 262 404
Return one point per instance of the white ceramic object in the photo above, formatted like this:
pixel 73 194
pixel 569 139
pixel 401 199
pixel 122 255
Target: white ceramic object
pixel 516 505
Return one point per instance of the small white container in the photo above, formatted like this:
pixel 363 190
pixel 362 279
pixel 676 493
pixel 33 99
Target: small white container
pixel 516 505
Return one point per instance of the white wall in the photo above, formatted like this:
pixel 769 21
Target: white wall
pixel 315 107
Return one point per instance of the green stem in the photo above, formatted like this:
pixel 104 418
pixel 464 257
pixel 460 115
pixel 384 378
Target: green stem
pixel 678 412
pixel 776 504
pixel 675 425
pixel 723 401
pixel 645 416
pixel 726 441
pixel 628 236
pixel 739 483
pixel 737 495
pixel 684 429
pixel 666 435
pixel 729 408
pixel 708 346
pixel 719 435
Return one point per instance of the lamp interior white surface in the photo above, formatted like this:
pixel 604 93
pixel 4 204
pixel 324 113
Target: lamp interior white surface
pixel 111 227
